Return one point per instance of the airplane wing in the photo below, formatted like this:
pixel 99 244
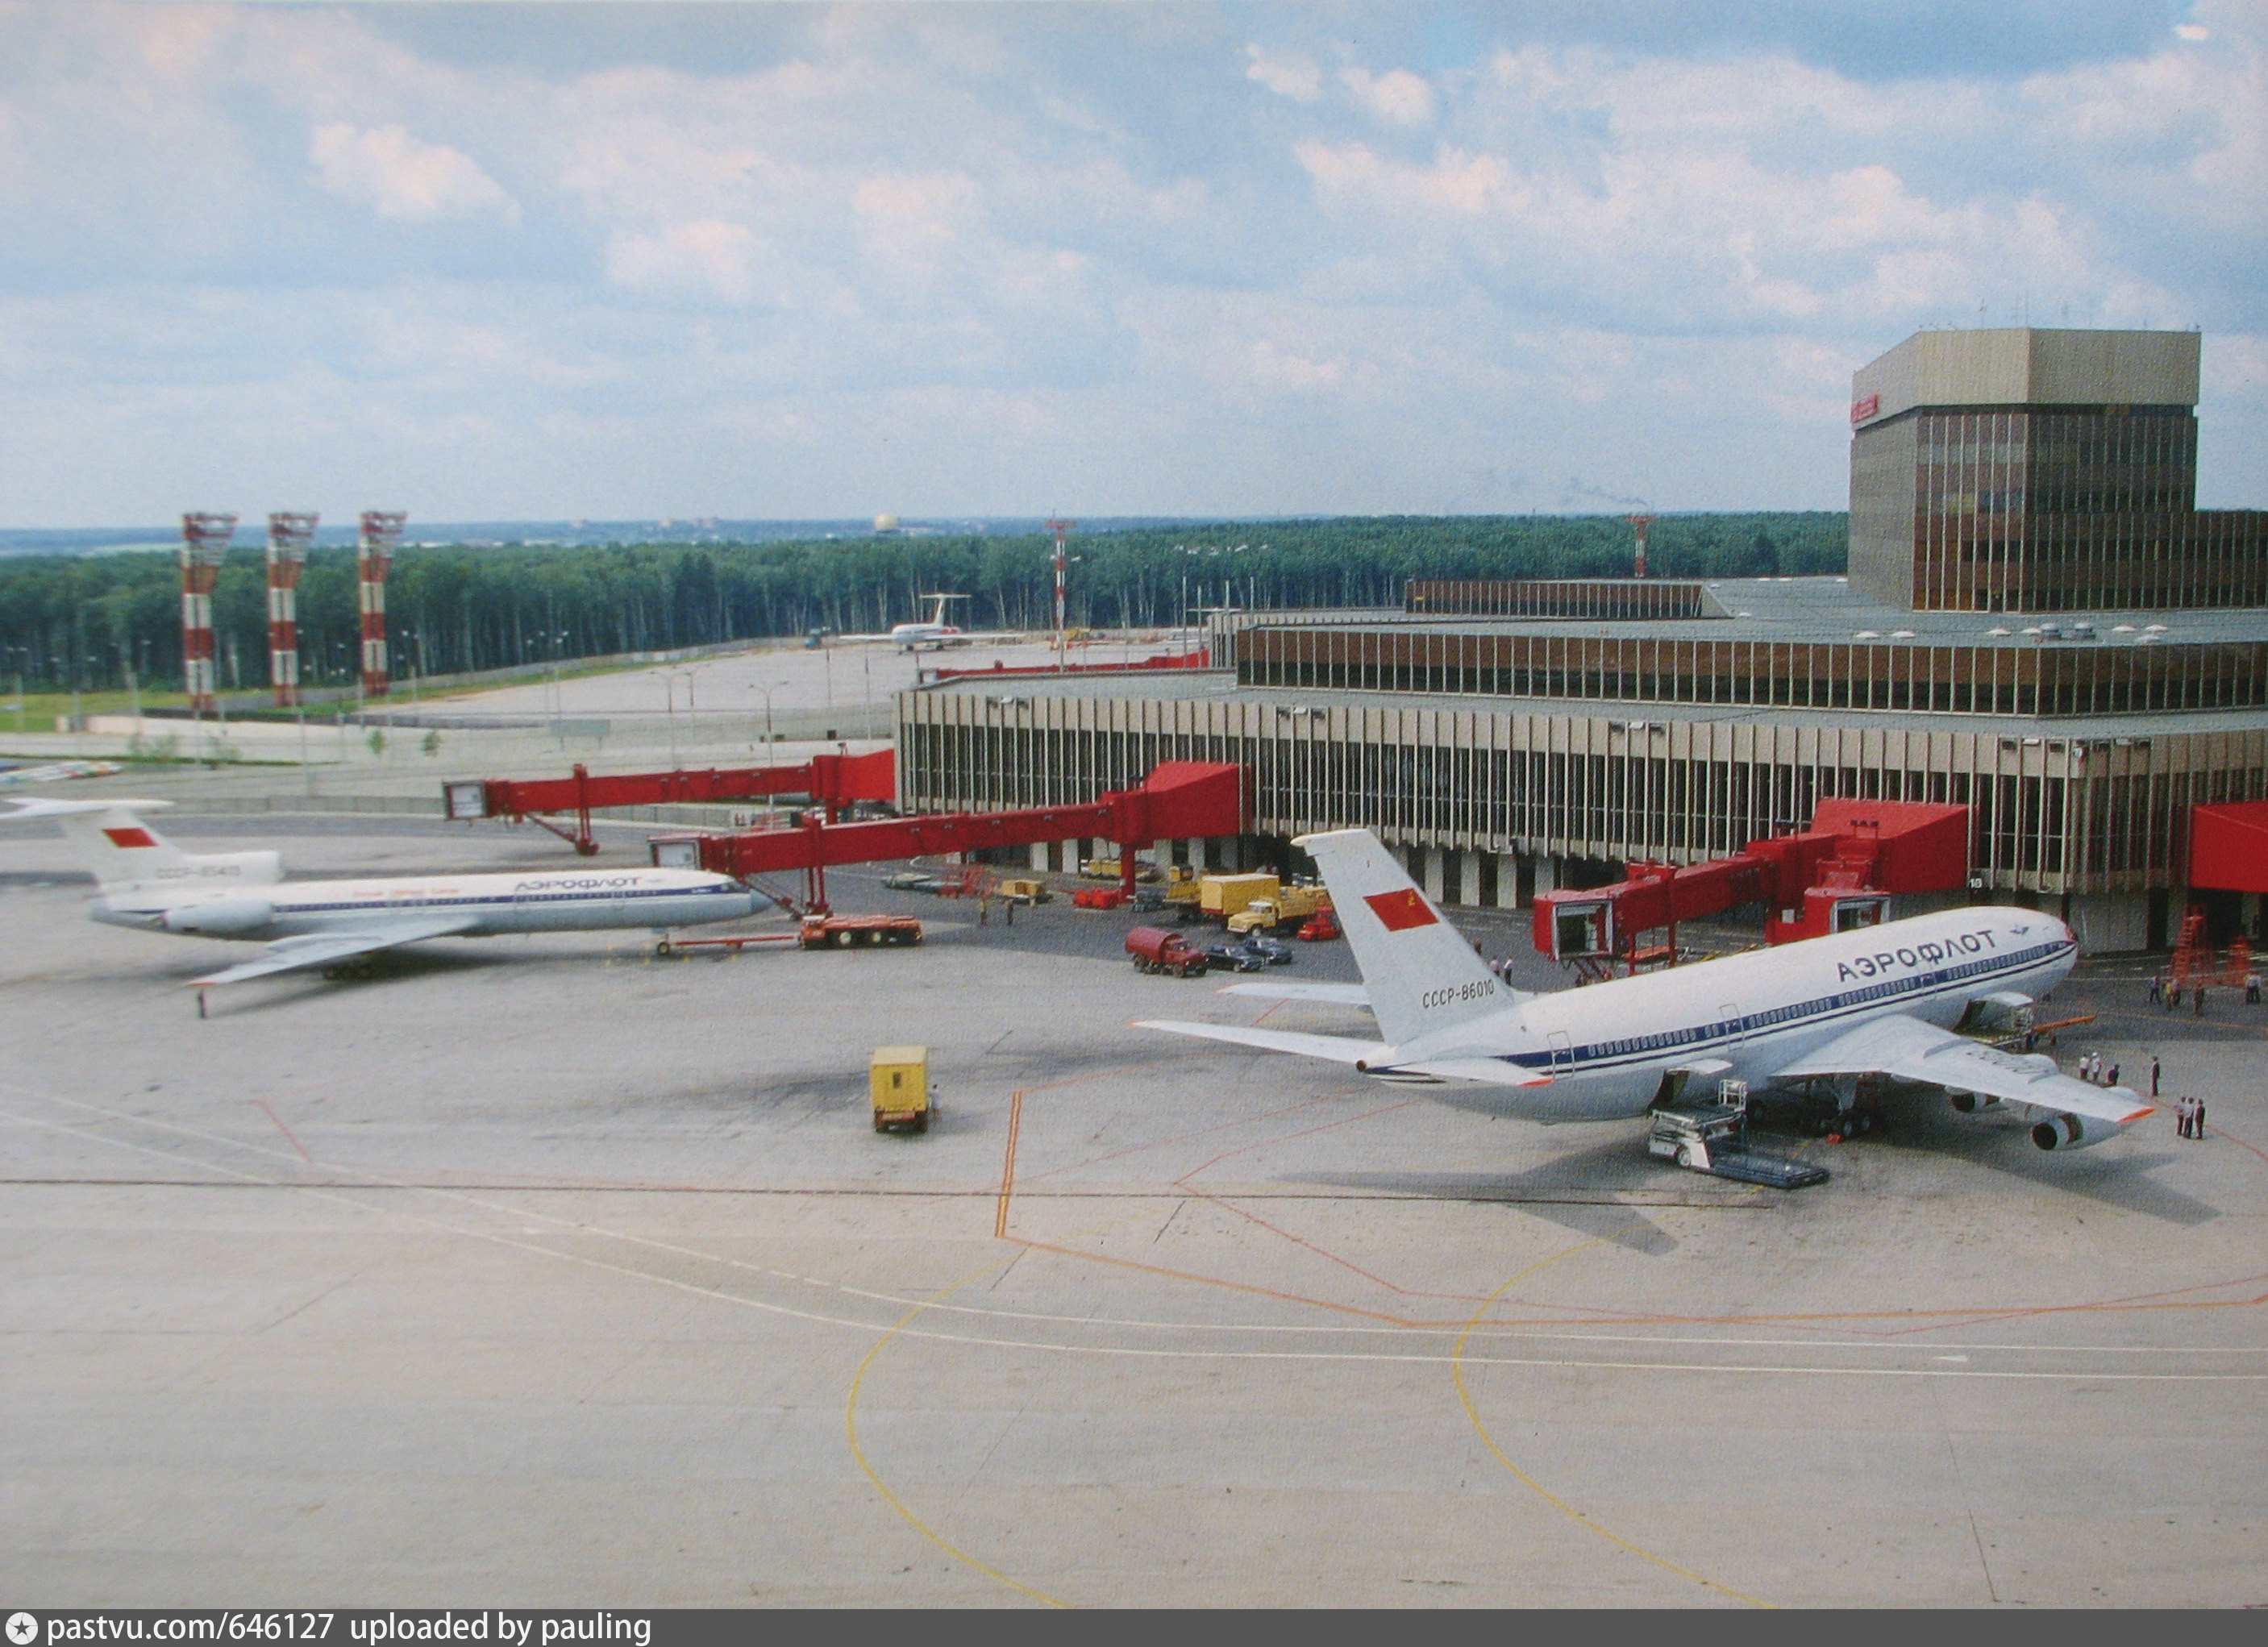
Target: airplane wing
pixel 1370 1055
pixel 1338 1048
pixel 1911 1050
pixel 323 949
pixel 1336 993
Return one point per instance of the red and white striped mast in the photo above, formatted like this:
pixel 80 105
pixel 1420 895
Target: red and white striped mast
pixel 288 537
pixel 1641 522
pixel 204 546
pixel 1059 527
pixel 382 536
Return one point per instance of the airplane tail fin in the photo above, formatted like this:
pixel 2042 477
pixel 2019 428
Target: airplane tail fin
pixel 113 840
pixel 1422 975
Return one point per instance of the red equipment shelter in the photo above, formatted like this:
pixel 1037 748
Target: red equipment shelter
pixel 2228 846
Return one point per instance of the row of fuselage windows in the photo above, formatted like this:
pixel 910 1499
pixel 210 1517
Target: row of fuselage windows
pixel 1826 1006
pixel 513 900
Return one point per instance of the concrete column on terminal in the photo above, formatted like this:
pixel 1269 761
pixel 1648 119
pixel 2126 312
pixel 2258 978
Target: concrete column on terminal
pixel 1038 854
pixel 1468 879
pixel 1430 876
pixel 1508 880
pixel 2111 923
pixel 1547 873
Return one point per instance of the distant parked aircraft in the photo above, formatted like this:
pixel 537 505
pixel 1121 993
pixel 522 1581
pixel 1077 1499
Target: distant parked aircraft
pixel 146 881
pixel 55 771
pixel 933 632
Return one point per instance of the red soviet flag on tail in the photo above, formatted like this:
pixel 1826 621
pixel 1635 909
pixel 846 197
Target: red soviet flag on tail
pixel 1399 911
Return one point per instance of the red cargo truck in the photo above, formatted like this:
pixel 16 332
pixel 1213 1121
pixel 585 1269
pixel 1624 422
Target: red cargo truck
pixel 1154 949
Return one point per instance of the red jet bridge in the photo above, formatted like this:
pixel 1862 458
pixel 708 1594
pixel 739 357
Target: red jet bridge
pixel 1834 877
pixel 1180 799
pixel 833 781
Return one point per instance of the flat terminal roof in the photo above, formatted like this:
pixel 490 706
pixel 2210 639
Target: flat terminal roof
pixel 1826 611
pixel 1220 686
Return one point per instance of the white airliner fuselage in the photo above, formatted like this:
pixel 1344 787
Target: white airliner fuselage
pixel 145 881
pixel 1882 1002
pixel 1604 1049
pixel 572 901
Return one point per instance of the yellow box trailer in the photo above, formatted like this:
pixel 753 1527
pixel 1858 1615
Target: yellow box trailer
pixel 898 1077
pixel 1221 896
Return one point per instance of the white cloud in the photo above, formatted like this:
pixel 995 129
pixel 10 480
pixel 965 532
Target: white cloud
pixel 707 257
pixel 401 177
pixel 1295 77
pixel 1128 257
pixel 1396 96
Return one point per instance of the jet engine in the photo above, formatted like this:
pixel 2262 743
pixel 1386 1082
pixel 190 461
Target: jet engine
pixel 2074 1132
pixel 1969 1103
pixel 222 917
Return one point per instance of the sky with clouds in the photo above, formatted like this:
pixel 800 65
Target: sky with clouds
pixel 501 261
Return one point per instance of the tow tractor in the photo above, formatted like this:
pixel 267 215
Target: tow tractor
pixel 1712 1135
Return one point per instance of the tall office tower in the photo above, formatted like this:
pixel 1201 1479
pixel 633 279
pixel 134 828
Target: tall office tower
pixel 2027 470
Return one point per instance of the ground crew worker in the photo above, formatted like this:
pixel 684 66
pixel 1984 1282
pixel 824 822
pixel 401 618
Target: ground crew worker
pixel 2252 988
pixel 2113 1081
pixel 2200 998
pixel 2196 1118
pixel 2153 1074
pixel 2157 991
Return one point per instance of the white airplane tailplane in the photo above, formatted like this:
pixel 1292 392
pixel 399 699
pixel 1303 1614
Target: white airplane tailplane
pixel 1422 976
pixel 124 851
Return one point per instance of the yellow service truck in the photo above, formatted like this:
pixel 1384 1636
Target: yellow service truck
pixel 1221 896
pixel 898 1077
pixel 1290 905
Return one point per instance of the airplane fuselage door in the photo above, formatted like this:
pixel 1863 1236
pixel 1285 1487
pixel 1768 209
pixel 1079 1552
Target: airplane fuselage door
pixel 1563 1054
pixel 1728 1015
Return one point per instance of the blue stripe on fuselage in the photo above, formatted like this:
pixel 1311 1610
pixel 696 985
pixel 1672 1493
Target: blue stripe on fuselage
pixel 1616 1055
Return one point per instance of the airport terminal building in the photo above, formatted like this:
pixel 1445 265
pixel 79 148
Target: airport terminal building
pixel 2038 624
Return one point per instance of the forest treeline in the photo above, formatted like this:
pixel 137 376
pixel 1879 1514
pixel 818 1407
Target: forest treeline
pixel 83 621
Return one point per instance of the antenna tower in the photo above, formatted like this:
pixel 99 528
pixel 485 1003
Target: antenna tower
pixel 1641 522
pixel 1060 527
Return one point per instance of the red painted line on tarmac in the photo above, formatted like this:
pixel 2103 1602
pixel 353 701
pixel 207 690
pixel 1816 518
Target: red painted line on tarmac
pixel 286 1131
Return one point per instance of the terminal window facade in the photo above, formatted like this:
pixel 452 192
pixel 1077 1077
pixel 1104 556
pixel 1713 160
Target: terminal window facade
pixel 2032 509
pixel 2047 815
pixel 2011 680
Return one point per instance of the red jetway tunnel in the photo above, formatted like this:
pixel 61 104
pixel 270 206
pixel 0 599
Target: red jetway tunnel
pixel 833 781
pixel 1179 799
pixel 1833 877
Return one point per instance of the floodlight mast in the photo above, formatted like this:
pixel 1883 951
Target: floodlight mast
pixel 205 539
pixel 288 536
pixel 382 536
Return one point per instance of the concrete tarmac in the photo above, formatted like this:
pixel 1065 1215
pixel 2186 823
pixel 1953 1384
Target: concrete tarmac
pixel 543 1271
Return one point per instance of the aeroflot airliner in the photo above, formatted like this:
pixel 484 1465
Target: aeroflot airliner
pixel 146 881
pixel 1884 1001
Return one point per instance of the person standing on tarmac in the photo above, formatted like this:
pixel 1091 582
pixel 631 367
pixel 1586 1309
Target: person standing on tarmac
pixel 2154 1076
